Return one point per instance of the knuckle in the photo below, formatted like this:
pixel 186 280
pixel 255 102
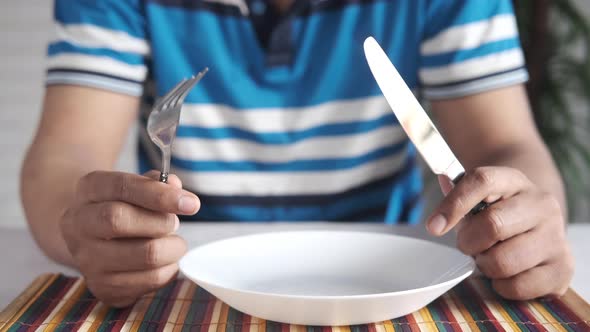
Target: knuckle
pixel 170 223
pixel 152 253
pixel 501 265
pixel 550 203
pixel 460 205
pixel 112 215
pixel 464 248
pixel 559 236
pixel 519 175
pixel 564 274
pixel 157 278
pixel 495 223
pixel 66 223
pixel 122 187
pixel 453 208
pixel 483 176
pixel 568 268
pixel 554 228
pixel 183 246
pixel 179 248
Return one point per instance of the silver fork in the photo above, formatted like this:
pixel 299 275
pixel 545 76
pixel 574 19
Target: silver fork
pixel 163 120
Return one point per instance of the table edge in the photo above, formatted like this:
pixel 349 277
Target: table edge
pixel 577 304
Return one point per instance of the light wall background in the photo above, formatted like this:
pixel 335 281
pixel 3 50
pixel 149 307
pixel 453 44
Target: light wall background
pixel 25 28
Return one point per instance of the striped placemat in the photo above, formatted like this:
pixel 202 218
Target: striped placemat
pixel 59 303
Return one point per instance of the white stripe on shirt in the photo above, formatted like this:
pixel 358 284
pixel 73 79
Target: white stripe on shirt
pixel 99 64
pixel 289 183
pixel 284 119
pixel 471 35
pixel 86 35
pixel 228 150
pixel 473 68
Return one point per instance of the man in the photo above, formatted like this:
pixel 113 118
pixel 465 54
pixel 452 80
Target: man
pixel 288 125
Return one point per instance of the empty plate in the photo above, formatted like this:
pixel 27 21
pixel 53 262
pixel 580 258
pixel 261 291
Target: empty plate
pixel 326 277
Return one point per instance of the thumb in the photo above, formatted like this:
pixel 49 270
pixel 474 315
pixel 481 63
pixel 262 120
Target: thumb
pixel 172 179
pixel 446 185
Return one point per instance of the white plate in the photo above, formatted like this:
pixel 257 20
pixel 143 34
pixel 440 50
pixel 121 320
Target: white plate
pixel 326 277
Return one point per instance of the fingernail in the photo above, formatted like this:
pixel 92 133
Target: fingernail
pixel 187 204
pixel 177 224
pixel 437 224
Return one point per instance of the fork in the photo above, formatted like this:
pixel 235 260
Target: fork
pixel 163 119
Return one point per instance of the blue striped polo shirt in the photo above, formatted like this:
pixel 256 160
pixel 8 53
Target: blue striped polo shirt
pixel 288 124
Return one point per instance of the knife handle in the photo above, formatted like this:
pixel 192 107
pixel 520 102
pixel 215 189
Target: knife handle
pixel 480 206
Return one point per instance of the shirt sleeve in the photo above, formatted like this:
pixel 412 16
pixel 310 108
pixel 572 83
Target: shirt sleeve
pixel 100 44
pixel 469 47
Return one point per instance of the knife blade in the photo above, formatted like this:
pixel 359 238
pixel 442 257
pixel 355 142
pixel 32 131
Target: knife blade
pixel 412 117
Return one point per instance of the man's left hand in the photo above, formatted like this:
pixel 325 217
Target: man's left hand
pixel 518 241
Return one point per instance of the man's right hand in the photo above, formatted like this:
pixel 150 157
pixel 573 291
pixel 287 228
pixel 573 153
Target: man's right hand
pixel 120 233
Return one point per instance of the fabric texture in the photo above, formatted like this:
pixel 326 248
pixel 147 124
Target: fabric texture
pixel 289 123
pixel 64 304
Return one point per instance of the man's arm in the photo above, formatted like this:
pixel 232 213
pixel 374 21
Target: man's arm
pixel 497 129
pixel 519 240
pixel 81 130
pixel 117 229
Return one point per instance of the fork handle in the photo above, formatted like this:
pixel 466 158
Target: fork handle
pixel 165 170
pixel 163 177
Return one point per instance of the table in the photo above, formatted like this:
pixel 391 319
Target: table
pixel 23 260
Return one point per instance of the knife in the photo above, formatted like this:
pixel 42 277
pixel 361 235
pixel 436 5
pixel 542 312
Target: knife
pixel 412 117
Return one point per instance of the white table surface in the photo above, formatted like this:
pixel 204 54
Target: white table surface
pixel 22 261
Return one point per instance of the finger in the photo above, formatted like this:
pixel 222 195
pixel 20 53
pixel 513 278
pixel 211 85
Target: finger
pixel 501 221
pixel 550 279
pixel 137 254
pixel 138 190
pixel 446 185
pixel 108 220
pixel 481 184
pixel 516 255
pixel 124 288
pixel 172 178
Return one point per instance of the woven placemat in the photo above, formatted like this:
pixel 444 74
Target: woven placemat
pixel 60 303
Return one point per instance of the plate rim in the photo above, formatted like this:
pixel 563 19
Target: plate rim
pixel 470 264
